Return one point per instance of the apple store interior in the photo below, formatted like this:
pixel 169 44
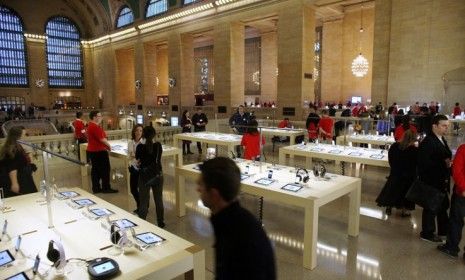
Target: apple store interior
pixel 321 104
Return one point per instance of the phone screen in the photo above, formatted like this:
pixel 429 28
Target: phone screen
pixel 5 225
pixel 270 174
pixel 18 243
pixel 247 169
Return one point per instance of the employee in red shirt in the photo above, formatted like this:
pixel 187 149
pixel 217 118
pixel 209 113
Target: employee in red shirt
pixel 251 141
pixel 457 208
pixel 97 149
pixel 326 126
pixel 79 130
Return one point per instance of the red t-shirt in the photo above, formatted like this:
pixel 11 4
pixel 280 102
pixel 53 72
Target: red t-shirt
pixel 457 111
pixel 94 134
pixel 326 124
pixel 458 170
pixel 399 131
pixel 79 129
pixel 251 142
pixel 283 124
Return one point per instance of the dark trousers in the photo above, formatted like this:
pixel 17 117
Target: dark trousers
pixel 100 170
pixel 133 184
pixel 186 146
pixel 457 213
pixel 78 143
pixel 199 145
pixel 428 220
pixel 144 196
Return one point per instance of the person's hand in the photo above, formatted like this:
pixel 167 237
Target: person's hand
pixel 15 188
pixel 448 162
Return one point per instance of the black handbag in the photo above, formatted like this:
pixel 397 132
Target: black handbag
pixel 425 196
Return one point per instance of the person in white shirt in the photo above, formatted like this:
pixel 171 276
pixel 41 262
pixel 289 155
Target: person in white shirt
pixel 136 139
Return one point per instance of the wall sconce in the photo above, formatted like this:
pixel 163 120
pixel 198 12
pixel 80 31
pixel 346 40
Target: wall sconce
pixel 131 113
pixel 172 82
pixel 138 84
pixel 120 112
pixel 149 114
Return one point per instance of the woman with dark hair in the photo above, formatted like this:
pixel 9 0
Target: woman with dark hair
pixel 148 156
pixel 403 163
pixel 251 141
pixel 16 165
pixel 136 139
pixel 186 124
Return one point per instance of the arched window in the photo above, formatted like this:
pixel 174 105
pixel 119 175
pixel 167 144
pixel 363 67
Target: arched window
pixel 156 7
pixel 13 70
pixel 64 54
pixel 185 2
pixel 125 17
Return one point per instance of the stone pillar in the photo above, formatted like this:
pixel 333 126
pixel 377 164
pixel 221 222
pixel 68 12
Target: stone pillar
pixel 90 97
pixel 269 64
pixel 150 74
pixel 37 64
pixel 296 37
pixel 228 53
pixel 381 50
pixel 181 68
pixel 332 57
pixel 139 71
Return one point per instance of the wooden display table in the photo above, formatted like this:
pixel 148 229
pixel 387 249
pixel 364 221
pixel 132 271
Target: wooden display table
pixel 311 197
pixel 378 140
pixel 220 139
pixel 119 149
pixel 292 133
pixel 87 239
pixel 375 157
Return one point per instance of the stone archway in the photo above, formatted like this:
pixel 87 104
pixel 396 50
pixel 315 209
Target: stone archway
pixel 454 89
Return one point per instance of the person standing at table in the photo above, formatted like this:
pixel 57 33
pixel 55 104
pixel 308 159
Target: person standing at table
pixel 326 126
pixel 238 123
pixel 251 141
pixel 312 123
pixel 15 165
pixel 136 139
pixel 186 124
pixel 242 248
pixel 457 111
pixel 97 149
pixel 151 175
pixel 434 161
pixel 79 131
pixel 200 120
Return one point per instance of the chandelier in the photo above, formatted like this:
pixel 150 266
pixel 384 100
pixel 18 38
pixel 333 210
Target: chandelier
pixel 360 64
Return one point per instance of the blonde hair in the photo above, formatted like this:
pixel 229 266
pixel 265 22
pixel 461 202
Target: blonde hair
pixel 10 146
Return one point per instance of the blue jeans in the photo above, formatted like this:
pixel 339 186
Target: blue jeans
pixel 457 213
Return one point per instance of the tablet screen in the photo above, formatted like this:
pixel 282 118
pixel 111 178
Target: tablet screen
pixel 335 152
pixel 19 276
pixel 149 238
pixel 6 257
pixel 316 149
pixel 264 181
pixel 84 202
pixel 244 176
pixel 69 194
pixel 357 154
pixel 124 223
pixel 377 156
pixel 100 212
pixel 103 267
pixel 292 187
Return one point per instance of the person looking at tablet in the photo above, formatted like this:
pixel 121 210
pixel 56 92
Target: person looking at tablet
pixel 242 248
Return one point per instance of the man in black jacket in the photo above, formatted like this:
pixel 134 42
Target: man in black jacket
pixel 238 122
pixel 434 161
pixel 242 249
pixel 200 120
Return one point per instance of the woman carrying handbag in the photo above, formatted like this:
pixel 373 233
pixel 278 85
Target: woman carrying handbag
pixel 150 175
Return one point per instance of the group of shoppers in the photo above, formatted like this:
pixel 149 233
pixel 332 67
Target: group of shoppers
pixel 199 122
pixel 145 171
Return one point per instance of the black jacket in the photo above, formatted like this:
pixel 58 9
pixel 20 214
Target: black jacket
pixel 199 118
pixel 243 251
pixel 239 122
pixel 432 168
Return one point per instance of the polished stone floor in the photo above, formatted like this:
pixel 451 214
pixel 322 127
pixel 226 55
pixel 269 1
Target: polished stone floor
pixel 387 247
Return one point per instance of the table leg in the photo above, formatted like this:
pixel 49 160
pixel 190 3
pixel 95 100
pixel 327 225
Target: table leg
pixel 198 273
pixel 358 166
pixel 282 157
pixel 310 235
pixel 292 140
pixel 308 162
pixel 128 181
pixel 343 168
pixel 230 151
pixel 83 156
pixel 180 192
pixel 354 209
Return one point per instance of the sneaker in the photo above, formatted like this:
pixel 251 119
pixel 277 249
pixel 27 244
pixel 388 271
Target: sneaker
pixel 96 191
pixel 161 224
pixel 109 191
pixel 432 239
pixel 388 211
pixel 443 248
pixel 135 212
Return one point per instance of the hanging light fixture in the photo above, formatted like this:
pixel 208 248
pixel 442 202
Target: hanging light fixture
pixel 360 64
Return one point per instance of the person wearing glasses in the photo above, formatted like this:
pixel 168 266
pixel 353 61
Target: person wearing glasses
pixel 97 149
